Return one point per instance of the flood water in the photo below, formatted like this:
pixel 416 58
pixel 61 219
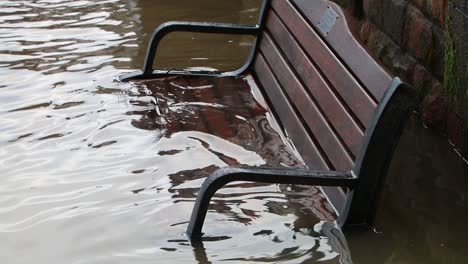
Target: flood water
pixel 97 171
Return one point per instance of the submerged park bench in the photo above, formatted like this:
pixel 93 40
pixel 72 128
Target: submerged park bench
pixel 343 113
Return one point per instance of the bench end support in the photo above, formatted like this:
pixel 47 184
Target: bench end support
pixel 226 175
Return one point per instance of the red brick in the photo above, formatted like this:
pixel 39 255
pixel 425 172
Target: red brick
pixel 365 31
pixel 435 107
pixel 377 42
pixel 421 78
pixel 419 36
pixel 393 19
pixel 373 10
pixel 418 3
pixel 438 10
pixel 399 62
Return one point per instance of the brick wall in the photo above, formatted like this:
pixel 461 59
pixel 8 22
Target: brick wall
pixel 457 70
pixel 409 38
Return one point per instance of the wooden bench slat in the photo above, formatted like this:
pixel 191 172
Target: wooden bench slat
pixel 340 38
pixel 355 96
pixel 230 89
pixel 286 114
pixel 331 106
pixel 214 119
pixel 165 93
pixel 178 94
pixel 302 101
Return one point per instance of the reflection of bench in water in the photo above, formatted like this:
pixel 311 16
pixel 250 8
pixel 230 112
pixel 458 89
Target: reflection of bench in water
pixel 340 109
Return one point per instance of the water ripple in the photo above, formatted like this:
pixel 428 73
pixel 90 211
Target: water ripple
pixel 90 168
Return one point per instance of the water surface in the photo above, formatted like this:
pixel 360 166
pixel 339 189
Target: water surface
pixel 96 171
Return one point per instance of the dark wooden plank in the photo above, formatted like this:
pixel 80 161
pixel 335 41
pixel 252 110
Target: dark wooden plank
pixel 234 90
pixel 345 44
pixel 163 94
pixel 229 92
pixel 202 92
pixel 189 121
pixel 174 124
pixel 316 122
pixel 287 116
pixel 331 106
pixel 355 96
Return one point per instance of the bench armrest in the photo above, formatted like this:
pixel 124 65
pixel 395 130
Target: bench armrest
pixel 265 175
pixel 198 27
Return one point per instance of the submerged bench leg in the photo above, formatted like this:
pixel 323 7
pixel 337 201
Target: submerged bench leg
pixel 379 143
pixel 280 176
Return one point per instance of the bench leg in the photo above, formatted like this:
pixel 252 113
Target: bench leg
pixel 379 143
pixel 280 176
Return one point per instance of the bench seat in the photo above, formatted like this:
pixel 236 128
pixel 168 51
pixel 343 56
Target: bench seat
pixel 231 109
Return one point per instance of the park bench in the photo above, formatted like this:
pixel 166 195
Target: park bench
pixel 342 111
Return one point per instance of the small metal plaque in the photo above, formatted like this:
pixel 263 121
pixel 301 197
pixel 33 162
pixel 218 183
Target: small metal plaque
pixel 327 21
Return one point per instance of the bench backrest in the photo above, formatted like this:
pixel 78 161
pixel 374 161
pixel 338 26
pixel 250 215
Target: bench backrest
pixel 321 83
pixel 329 93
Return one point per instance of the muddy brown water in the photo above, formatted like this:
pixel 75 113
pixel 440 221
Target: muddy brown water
pixel 90 172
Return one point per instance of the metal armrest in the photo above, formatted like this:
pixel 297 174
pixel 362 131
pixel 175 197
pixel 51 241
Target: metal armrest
pixel 216 28
pixel 198 27
pixel 265 175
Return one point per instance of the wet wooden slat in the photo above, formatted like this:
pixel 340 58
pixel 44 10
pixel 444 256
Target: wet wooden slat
pixel 340 38
pixel 189 122
pixel 283 109
pixel 348 88
pixel 229 92
pixel 302 101
pixel 214 116
pixel 161 89
pixel 331 106
pixel 173 125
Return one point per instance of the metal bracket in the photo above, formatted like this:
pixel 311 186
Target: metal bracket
pixel 265 175
pixel 199 27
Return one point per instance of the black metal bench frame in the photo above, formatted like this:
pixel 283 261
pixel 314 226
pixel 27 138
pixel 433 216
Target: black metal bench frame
pixel 363 183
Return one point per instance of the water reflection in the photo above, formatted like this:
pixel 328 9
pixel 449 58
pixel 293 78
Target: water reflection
pixel 99 171
pixel 424 211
